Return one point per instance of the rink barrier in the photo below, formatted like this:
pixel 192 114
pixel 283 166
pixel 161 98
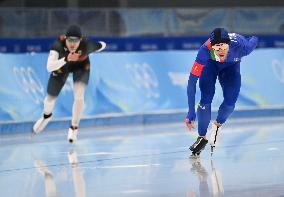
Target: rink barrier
pixel 108 120
pixel 138 43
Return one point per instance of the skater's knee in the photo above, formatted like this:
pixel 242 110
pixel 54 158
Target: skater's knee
pixel 50 99
pixel 231 99
pixel 79 99
pixel 204 106
pixel 229 103
pixel 225 110
pixel 49 103
pixel 79 90
pixel 206 99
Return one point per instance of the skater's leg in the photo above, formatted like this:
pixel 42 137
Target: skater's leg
pixel 204 117
pixel 41 123
pixel 207 87
pixel 55 84
pixel 48 104
pixel 78 104
pixel 230 80
pixel 80 78
pixel 224 112
pixel 77 110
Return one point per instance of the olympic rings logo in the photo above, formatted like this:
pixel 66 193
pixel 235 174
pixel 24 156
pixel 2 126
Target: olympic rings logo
pixel 178 79
pixel 28 80
pixel 144 78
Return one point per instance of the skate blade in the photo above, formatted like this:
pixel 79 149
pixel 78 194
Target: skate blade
pixel 32 134
pixel 212 150
pixel 194 156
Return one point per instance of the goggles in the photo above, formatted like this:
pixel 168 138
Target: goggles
pixel 220 46
pixel 73 39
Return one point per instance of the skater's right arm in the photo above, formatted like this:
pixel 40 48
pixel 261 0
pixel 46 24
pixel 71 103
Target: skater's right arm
pixel 196 70
pixel 53 61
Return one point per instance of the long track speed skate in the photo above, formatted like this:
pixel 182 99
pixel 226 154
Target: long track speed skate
pixel 198 146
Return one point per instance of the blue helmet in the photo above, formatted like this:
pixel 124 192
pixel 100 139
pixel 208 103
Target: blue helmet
pixel 219 35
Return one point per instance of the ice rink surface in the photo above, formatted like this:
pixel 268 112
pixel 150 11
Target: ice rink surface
pixel 149 160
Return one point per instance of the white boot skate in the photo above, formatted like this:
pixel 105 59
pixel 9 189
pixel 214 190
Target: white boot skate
pixel 215 135
pixel 41 124
pixel 72 134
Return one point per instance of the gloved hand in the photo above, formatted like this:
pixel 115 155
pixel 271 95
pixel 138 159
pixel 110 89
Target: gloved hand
pixel 73 57
pixel 190 119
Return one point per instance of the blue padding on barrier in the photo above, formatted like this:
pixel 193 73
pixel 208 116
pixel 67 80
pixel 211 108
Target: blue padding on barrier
pixel 131 83
pixel 134 119
pixel 39 45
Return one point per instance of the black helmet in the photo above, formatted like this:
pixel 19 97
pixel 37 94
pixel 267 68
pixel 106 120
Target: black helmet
pixel 74 31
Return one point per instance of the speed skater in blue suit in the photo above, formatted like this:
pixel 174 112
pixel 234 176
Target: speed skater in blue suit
pixel 219 57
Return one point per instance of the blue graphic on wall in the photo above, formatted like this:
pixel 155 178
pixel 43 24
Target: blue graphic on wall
pixel 131 82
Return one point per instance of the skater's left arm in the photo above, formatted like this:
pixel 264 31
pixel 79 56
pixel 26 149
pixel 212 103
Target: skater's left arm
pixel 87 47
pixel 247 45
pixel 93 46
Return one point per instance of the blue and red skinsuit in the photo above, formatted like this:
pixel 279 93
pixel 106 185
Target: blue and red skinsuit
pixel 206 68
